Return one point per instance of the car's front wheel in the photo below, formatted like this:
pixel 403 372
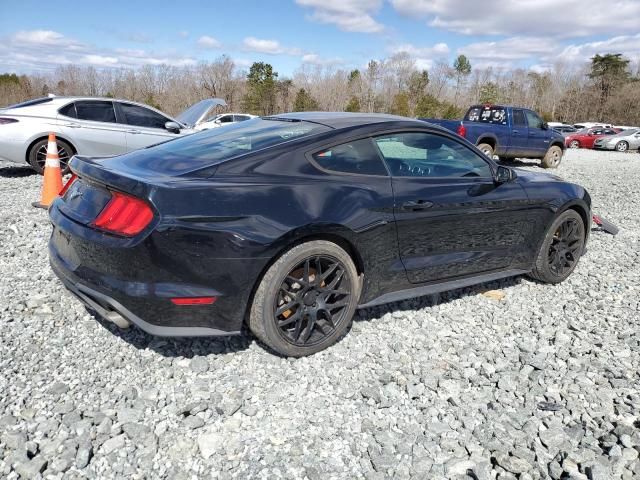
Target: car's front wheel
pixel 574 144
pixel 306 300
pixel 38 155
pixel 561 249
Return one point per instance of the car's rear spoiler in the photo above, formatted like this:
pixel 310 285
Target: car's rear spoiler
pixel 91 169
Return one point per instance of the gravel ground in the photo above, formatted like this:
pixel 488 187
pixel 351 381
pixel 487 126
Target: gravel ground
pixel 542 383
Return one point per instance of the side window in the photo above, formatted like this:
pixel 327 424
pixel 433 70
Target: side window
pixel 226 119
pixel 608 131
pixel 96 110
pixel 596 131
pixel 430 155
pixel 534 120
pixel 518 118
pixel 142 117
pixel 69 110
pixel 359 157
pixel 240 118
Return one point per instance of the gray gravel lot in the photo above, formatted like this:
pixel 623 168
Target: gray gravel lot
pixel 542 383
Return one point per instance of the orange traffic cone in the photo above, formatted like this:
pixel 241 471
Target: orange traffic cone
pixel 52 175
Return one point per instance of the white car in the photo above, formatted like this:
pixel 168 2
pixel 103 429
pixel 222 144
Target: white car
pixel 223 119
pixel 89 126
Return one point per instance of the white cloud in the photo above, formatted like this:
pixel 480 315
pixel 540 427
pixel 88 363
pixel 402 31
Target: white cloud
pixel 542 52
pixel 348 15
pixel 565 19
pixel 41 50
pixel 206 41
pixel 270 47
pixel 315 59
pixel 423 56
pixel 100 60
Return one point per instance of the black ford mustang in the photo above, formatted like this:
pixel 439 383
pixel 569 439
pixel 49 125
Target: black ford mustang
pixel 288 224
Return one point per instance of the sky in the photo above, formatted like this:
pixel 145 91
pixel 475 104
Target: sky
pixel 38 36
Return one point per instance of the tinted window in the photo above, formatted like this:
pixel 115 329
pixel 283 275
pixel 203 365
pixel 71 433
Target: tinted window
pixel 216 145
pixel 518 118
pixel 487 114
pixel 534 120
pixel 68 110
pixel 226 119
pixel 240 118
pixel 360 157
pixel 142 117
pixel 608 131
pixel 430 155
pixel 95 110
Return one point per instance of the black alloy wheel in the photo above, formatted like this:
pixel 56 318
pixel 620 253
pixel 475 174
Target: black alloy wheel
pixel 562 247
pixel 312 300
pixel 565 248
pixel 306 299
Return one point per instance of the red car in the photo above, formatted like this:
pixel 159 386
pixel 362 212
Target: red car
pixel 585 138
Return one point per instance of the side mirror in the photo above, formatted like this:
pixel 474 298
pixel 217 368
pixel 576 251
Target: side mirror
pixel 217 122
pixel 504 174
pixel 544 126
pixel 173 127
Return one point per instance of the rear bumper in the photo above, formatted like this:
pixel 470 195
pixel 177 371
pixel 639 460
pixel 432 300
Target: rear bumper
pixel 13 150
pixel 105 306
pixel 138 281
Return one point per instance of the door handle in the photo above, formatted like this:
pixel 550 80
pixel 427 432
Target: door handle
pixel 72 125
pixel 417 205
pixel 134 132
pixel 515 132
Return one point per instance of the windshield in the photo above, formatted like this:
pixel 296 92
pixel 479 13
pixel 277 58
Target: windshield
pixel 214 146
pixel 194 114
pixel 627 133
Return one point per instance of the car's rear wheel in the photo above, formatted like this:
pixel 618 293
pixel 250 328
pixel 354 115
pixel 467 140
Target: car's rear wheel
pixel 38 155
pixel 306 300
pixel 553 157
pixel 561 249
pixel 574 144
pixel 486 149
pixel 622 146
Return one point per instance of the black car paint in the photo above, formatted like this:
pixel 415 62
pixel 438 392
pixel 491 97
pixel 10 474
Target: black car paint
pixel 216 231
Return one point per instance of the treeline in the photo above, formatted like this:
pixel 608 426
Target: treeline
pixel 606 89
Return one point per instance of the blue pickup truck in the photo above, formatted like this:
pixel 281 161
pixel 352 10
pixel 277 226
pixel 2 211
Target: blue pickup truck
pixel 508 132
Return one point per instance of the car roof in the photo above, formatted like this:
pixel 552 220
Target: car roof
pixel 340 120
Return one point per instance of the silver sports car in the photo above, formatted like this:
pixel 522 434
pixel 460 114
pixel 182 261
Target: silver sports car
pixel 622 142
pixel 89 126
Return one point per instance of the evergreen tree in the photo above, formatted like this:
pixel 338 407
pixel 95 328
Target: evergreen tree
pixel 260 98
pixel 304 102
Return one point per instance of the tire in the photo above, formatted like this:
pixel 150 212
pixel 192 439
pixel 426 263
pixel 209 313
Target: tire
pixel 552 158
pixel 37 155
pixel 293 281
pixel 568 252
pixel 574 144
pixel 486 149
pixel 622 146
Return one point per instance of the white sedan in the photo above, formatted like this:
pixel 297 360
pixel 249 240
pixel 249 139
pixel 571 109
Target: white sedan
pixel 90 126
pixel 223 119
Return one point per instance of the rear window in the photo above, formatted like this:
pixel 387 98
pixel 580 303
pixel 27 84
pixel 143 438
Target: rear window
pixel 214 146
pixel 29 103
pixel 487 114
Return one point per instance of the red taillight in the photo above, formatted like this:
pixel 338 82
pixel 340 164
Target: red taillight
pixel 5 120
pixel 193 300
pixel 462 130
pixel 66 186
pixel 124 215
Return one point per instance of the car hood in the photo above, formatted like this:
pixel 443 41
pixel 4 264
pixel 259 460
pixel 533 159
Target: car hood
pixel 197 112
pixel 527 176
